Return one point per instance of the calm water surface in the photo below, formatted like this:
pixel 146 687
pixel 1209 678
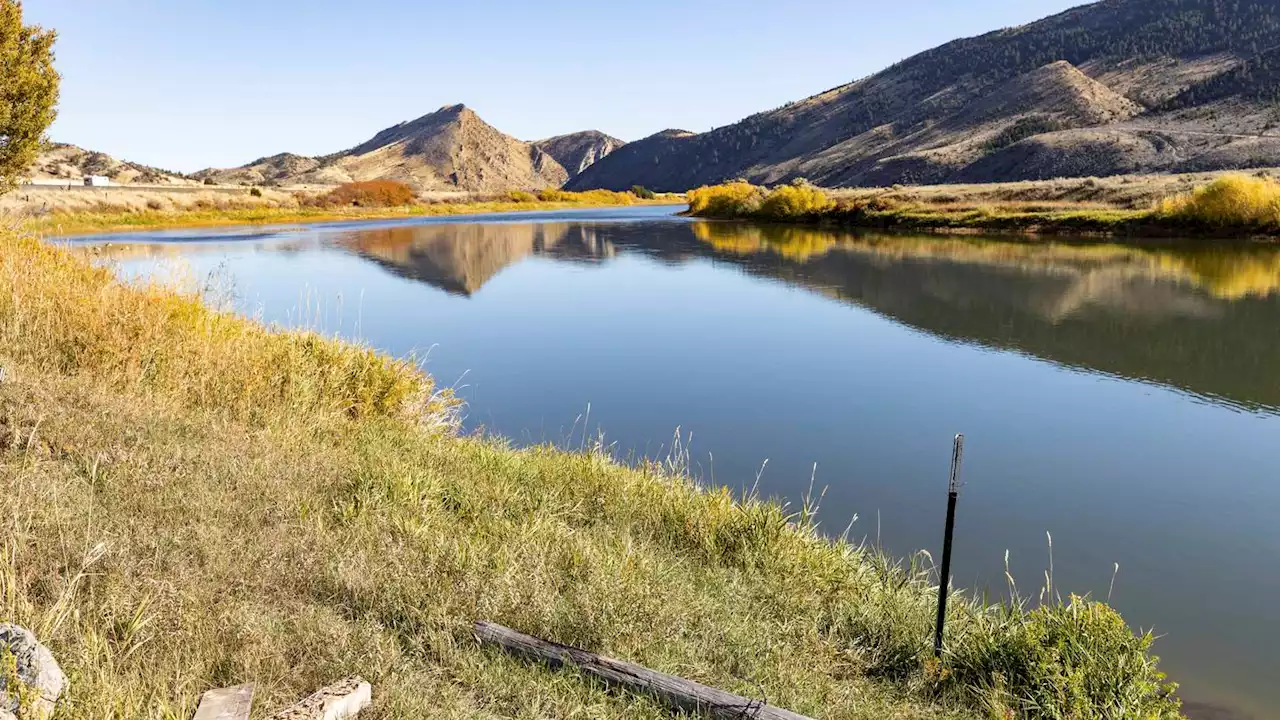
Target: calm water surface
pixel 1123 399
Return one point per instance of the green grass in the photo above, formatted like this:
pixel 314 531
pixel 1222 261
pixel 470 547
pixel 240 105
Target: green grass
pixel 192 501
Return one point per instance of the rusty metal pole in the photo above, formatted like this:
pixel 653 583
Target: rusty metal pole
pixel 944 579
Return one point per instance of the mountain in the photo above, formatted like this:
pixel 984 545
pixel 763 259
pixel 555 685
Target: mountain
pixel 1113 87
pixel 578 151
pixel 450 149
pixel 61 161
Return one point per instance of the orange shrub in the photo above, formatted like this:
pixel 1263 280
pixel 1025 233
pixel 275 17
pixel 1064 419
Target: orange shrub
pixel 372 193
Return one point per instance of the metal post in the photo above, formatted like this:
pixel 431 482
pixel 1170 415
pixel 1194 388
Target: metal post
pixel 944 579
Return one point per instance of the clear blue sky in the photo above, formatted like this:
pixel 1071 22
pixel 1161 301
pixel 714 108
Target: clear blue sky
pixel 186 84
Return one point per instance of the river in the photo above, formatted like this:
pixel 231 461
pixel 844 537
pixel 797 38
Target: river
pixel 1122 400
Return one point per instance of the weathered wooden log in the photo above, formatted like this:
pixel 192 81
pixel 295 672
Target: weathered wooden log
pixel 677 693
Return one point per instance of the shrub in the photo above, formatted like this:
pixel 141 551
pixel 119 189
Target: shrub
pixel 521 196
pixel 255 192
pixel 587 197
pixel 555 195
pixel 1061 661
pixel 372 193
pixel 1023 129
pixel 1231 200
pixel 735 199
pixel 643 192
pixel 791 201
pixel 209 181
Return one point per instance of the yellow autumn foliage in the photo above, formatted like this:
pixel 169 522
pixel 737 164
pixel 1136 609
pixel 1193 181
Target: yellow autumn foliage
pixel 1228 201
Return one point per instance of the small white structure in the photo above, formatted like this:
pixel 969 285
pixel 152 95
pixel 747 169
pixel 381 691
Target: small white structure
pixel 96 181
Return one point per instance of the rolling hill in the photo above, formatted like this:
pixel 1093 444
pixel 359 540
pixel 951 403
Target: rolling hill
pixel 450 149
pixel 60 161
pixel 1113 87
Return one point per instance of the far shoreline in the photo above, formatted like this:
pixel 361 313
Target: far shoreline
pixel 80 225
pixel 1231 207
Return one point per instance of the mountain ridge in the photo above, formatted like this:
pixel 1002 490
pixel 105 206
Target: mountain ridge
pixel 577 151
pixel 449 149
pixel 888 127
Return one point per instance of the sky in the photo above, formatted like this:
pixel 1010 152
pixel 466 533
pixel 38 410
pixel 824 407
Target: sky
pixel 188 84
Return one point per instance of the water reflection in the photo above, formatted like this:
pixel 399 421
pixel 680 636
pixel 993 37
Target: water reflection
pixel 460 259
pixel 1202 320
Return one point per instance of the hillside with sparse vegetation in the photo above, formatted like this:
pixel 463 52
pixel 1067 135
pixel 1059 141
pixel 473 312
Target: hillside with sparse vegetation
pixel 1115 87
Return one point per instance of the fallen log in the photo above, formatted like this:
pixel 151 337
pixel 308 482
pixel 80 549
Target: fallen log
pixel 676 692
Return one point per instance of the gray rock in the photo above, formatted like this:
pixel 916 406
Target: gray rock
pixel 36 668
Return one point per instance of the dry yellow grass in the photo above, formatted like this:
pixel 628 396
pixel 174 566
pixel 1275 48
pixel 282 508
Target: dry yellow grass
pixel 111 218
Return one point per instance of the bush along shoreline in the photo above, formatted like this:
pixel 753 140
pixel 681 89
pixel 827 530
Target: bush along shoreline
pixel 196 501
pixel 1233 206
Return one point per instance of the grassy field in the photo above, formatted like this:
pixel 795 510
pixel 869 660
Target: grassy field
pixel 191 500
pixel 115 218
pixel 1221 205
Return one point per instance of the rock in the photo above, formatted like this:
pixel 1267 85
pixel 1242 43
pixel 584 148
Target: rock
pixel 233 703
pixel 340 701
pixel 36 668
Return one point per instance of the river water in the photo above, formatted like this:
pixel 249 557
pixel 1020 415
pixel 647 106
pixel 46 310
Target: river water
pixel 1122 400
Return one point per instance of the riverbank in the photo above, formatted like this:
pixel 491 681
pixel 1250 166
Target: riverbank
pixel 1213 206
pixel 246 209
pixel 193 501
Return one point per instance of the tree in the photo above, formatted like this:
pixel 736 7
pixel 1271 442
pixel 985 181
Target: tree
pixel 28 92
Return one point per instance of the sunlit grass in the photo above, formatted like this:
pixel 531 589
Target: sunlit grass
pixel 118 219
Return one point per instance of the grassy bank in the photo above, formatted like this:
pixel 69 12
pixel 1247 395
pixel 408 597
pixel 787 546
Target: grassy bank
pixel 1229 206
pixel 193 501
pixel 108 218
